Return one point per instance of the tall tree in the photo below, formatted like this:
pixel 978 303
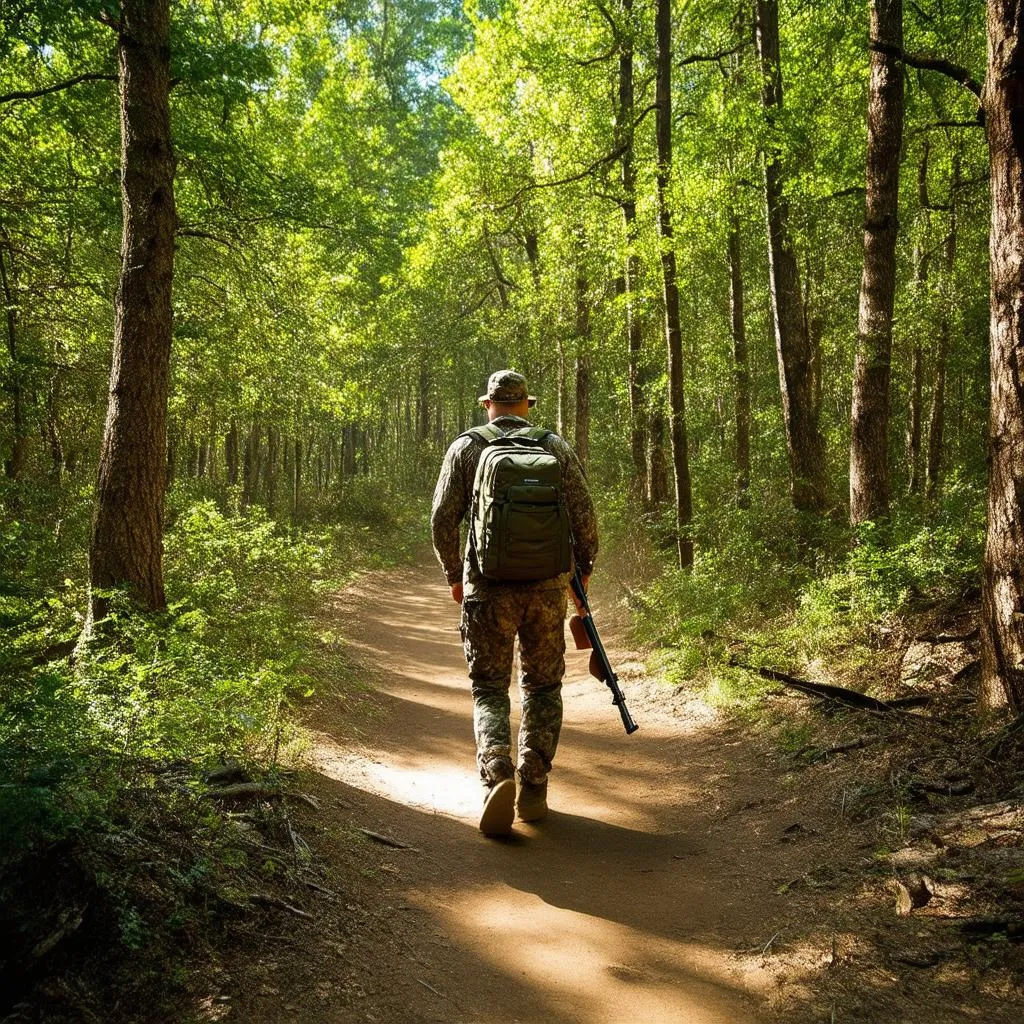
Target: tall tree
pixel 922 262
pixel 741 368
pixel 937 412
pixel 869 418
pixel 629 281
pixel 670 289
pixel 14 466
pixel 126 546
pixel 1002 633
pixel 581 435
pixel 796 352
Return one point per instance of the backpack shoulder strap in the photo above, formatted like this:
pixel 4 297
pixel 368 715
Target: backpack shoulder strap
pixel 485 433
pixel 534 433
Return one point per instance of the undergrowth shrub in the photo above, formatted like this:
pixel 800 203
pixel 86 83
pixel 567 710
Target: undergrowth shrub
pixel 764 585
pixel 209 679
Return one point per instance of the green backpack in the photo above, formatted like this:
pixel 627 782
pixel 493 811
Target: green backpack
pixel 519 526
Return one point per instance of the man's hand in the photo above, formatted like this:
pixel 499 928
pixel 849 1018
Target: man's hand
pixel 572 594
pixel 456 589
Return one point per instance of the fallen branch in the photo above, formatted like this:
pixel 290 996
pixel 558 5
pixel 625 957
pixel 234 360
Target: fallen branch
pixel 838 694
pixel 387 841
pixel 430 988
pixel 257 791
pixel 842 748
pixel 273 901
pixel 918 701
pixel 321 889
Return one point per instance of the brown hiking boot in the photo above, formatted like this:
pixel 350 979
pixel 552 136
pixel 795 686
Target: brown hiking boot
pixel 499 809
pixel 532 801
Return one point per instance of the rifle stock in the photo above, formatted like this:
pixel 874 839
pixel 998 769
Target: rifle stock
pixel 583 629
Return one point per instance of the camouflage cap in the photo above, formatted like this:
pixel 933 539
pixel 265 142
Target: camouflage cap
pixel 507 387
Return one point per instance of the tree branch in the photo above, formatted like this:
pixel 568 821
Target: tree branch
pixel 554 182
pixel 977 122
pixel 843 193
pixel 698 58
pixel 925 63
pixel 600 58
pixel 90 76
pixel 196 233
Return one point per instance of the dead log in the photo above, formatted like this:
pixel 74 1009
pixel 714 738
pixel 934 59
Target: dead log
pixel 826 691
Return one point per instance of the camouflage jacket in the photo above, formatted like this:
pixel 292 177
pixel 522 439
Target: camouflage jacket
pixel 454 493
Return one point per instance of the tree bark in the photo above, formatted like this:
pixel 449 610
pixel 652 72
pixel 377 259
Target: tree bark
pixel 628 283
pixel 797 371
pixel 1002 626
pixel 562 407
pixel 869 417
pixel 670 290
pixel 937 413
pixel 741 369
pixel 296 478
pixel 14 465
pixel 231 452
pixel 657 468
pixel 251 465
pixel 581 433
pixel 423 405
pixel 126 546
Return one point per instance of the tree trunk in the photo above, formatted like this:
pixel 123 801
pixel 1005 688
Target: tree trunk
pixel 1002 625
pixel 231 452
pixel 741 369
pixel 348 451
pixel 562 409
pixel 657 468
pixel 937 413
pixel 14 466
pixel 922 266
pixel 251 465
pixel 797 371
pixel 582 429
pixel 126 545
pixel 869 417
pixel 296 478
pixel 423 405
pixel 673 332
pixel 53 436
pixel 628 283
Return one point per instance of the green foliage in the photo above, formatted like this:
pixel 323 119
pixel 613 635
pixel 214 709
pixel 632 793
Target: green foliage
pixel 783 602
pixel 894 568
pixel 210 679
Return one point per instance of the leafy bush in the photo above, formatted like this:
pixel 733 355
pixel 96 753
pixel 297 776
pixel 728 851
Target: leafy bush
pixel 763 583
pixel 209 679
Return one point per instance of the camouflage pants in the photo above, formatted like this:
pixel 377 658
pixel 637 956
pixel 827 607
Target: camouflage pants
pixel 489 629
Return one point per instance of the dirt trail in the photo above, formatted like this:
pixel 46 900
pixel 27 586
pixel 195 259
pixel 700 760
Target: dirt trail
pixel 641 898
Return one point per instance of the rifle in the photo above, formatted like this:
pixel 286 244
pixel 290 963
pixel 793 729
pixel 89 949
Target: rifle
pixel 584 632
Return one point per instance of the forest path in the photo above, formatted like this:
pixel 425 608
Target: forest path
pixel 642 897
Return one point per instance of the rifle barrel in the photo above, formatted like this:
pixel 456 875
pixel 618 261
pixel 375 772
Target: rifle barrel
pixel 609 678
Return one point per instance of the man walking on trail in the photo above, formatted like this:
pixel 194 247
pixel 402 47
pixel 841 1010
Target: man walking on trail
pixel 531 519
